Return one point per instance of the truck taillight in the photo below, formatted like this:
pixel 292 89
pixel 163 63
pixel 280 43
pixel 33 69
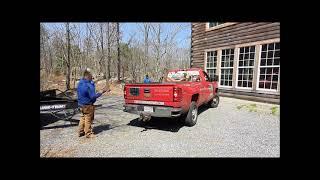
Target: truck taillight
pixel 177 94
pixel 125 92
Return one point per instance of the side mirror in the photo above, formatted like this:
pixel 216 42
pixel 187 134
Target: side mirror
pixel 214 78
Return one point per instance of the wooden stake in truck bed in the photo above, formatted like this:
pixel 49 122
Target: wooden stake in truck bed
pixel 180 95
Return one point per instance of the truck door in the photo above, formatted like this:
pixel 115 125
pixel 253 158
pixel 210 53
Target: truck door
pixel 208 88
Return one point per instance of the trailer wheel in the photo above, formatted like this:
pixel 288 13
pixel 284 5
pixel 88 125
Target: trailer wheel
pixel 214 102
pixel 192 116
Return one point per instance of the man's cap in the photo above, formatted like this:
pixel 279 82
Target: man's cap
pixel 87 71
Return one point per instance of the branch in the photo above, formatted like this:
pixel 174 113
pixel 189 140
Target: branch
pixel 131 37
pixel 92 34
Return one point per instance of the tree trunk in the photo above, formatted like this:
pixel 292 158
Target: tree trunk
pixel 124 65
pixel 108 52
pixel 118 45
pixel 133 69
pixel 101 62
pixel 75 78
pixel 50 58
pixel 146 48
pixel 158 51
pixel 68 58
pixel 123 72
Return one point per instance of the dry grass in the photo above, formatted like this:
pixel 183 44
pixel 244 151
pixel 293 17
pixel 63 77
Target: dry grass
pixel 116 88
pixel 57 81
pixel 53 81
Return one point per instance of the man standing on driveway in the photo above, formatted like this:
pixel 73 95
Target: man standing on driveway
pixel 86 98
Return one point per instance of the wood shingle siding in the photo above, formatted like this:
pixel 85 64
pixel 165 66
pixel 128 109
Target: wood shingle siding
pixel 234 36
pixel 238 33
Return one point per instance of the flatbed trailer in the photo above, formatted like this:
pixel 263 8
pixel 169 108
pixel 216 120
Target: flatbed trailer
pixel 61 106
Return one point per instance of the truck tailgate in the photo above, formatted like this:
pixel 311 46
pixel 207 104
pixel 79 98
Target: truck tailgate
pixel 150 92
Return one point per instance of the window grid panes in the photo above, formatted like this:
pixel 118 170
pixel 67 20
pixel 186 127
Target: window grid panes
pixel 212 24
pixel 245 66
pixel 269 66
pixel 227 58
pixel 211 66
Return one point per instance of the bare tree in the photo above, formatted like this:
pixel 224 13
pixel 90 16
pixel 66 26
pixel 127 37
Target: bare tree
pixel 163 43
pixel 126 52
pixel 136 56
pixel 118 50
pixel 160 47
pixel 101 61
pixel 68 65
pixel 78 54
pixel 95 35
pixel 64 47
pixel 147 27
pixel 44 69
pixel 89 46
pixel 108 75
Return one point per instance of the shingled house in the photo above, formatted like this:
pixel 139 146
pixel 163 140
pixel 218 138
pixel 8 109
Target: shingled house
pixel 244 55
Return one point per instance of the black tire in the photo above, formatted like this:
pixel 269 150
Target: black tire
pixel 192 116
pixel 181 119
pixel 214 102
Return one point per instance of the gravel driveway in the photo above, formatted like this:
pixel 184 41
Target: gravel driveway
pixel 237 128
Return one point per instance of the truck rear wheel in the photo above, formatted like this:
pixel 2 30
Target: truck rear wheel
pixel 214 102
pixel 192 116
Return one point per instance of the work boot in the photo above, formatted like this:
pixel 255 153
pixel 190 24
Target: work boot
pixel 81 134
pixel 90 136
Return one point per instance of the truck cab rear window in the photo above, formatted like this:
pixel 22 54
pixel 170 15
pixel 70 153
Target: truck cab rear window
pixel 178 76
pixel 134 91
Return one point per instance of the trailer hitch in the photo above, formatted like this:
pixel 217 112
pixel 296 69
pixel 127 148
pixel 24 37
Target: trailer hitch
pixel 144 117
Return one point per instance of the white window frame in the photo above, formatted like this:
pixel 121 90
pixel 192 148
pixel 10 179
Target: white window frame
pixel 258 76
pixel 205 62
pixel 237 74
pixel 218 26
pixel 258 45
pixel 234 49
pixel 220 23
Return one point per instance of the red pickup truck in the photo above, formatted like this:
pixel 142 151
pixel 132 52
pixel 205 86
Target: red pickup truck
pixel 179 95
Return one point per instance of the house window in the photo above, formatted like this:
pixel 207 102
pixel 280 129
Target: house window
pixel 211 66
pixel 227 58
pixel 212 24
pixel 245 66
pixel 217 25
pixel 269 66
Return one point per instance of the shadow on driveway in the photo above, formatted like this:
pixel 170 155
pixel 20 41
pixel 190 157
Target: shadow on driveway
pixel 47 118
pixel 72 122
pixel 164 124
pixel 101 128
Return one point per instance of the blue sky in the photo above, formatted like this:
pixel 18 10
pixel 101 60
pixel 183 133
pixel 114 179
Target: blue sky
pixel 182 38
